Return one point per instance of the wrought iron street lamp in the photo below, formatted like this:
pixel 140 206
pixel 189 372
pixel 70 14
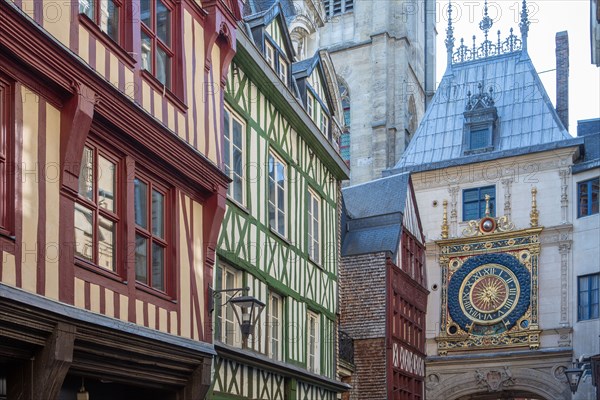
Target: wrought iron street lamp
pixel 246 309
pixel 576 373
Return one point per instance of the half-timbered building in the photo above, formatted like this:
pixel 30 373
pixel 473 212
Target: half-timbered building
pixel 280 230
pixel 111 198
pixel 383 289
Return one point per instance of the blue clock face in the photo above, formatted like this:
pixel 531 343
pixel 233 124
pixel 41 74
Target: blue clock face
pixel 489 293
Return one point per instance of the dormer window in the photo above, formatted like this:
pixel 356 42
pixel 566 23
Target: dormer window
pixel 479 137
pixel 480 122
pixel 324 123
pixel 283 70
pixel 270 54
pixel 310 104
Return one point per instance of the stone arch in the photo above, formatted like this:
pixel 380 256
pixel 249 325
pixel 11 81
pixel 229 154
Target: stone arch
pixel 525 380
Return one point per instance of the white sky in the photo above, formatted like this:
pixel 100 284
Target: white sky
pixel 547 17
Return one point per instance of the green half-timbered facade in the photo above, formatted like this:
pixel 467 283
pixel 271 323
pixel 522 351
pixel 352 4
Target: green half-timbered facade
pixel 280 231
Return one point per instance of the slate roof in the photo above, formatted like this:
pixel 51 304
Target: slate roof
pixel 527 121
pixel 252 7
pixel 372 215
pixel 589 131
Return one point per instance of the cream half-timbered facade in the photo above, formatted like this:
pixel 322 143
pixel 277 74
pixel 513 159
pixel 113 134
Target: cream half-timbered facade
pixel 111 197
pixel 280 231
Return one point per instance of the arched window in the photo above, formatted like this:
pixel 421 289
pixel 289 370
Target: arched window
pixel 345 136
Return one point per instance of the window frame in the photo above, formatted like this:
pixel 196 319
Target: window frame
pixel 310 104
pixel 313 351
pixel 278 328
pixel 119 5
pixel 229 147
pixel 270 58
pixel 221 334
pixel 324 123
pixel 7 197
pixel 589 208
pixel 156 42
pixel 167 242
pixel 275 227
pixel 283 69
pixel 479 200
pixel 93 205
pixel 313 244
pixel 590 291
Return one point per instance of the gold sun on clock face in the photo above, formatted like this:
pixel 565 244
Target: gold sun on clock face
pixel 489 293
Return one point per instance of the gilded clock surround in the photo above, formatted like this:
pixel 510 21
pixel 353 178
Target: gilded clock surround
pixel 490 287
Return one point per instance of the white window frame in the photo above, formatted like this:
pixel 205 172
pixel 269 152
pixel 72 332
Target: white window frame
pixel 230 330
pixel 231 147
pixel 283 70
pixel 275 343
pixel 274 202
pixel 313 350
pixel 314 249
pixel 270 54
pixel 310 104
pixel 324 123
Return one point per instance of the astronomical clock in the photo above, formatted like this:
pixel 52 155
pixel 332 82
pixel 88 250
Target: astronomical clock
pixel 490 285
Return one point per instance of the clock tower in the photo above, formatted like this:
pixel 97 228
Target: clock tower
pixel 490 285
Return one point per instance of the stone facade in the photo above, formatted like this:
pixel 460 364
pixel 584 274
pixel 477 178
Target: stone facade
pixel 483 136
pixel 384 54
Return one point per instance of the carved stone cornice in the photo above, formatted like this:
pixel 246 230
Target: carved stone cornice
pixel 556 235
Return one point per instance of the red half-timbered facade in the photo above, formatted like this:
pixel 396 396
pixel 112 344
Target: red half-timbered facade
pixel 383 295
pixel 111 195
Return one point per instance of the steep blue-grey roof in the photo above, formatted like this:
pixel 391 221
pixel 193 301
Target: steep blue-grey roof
pixel 258 6
pixel 527 121
pixel 304 68
pixel 589 131
pixel 372 215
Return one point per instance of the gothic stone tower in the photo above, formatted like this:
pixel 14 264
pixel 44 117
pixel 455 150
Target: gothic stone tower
pixel 384 53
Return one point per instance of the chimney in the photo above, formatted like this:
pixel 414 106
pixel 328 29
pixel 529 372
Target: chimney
pixel 562 77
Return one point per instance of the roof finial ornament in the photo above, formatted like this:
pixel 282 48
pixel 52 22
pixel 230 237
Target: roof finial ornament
pixel 449 35
pixel 524 24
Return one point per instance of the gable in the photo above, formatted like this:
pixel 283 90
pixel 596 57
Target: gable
pixel 410 219
pixel 315 81
pixel 274 31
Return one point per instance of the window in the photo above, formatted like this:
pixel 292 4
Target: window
pixel 234 155
pixel 313 359
pixel 275 326
pixel 337 7
pixel 588 297
pixel 6 183
pixel 310 104
pixel 587 197
pixel 226 324
pixel 324 123
pixel 474 202
pixel 283 70
pixel 479 138
pixel 157 50
pixel 270 54
pixel 97 208
pixel 277 194
pixel 313 204
pixel 104 13
pixel 150 201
